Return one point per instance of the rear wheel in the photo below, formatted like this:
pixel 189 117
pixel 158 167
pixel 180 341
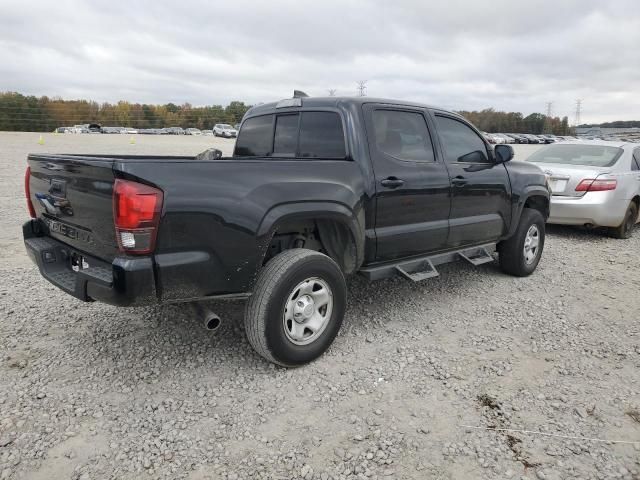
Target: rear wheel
pixel 625 229
pixel 520 254
pixel 296 308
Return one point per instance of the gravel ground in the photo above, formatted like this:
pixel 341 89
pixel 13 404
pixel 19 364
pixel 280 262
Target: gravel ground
pixel 89 391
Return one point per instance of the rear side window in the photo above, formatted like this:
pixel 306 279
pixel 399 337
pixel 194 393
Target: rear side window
pixel 460 142
pixel 255 139
pixel 321 135
pixel 635 161
pixel 285 141
pixel 403 135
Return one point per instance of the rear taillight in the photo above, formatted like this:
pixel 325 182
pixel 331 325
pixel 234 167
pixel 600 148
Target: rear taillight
pixel 27 192
pixel 594 185
pixel 136 214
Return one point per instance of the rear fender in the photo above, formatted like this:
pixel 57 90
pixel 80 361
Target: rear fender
pixel 338 212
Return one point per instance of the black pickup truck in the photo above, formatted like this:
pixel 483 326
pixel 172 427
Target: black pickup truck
pixel 317 189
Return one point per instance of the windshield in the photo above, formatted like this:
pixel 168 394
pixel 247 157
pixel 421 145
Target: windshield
pixel 226 127
pixel 588 155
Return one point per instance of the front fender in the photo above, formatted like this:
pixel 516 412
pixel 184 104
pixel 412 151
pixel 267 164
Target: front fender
pixel 520 200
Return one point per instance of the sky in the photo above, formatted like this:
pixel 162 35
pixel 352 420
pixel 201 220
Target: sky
pixel 458 54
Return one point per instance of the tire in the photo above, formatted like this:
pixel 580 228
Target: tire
pixel 625 229
pixel 269 313
pixel 515 259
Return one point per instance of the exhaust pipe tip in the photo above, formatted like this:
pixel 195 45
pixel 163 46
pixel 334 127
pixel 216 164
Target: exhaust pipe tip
pixel 212 323
pixel 209 319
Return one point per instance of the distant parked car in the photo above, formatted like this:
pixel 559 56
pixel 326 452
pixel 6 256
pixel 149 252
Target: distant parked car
pixel 207 132
pixel 593 184
pixel 193 131
pixel 532 138
pixel 518 138
pixel 224 130
pixel 545 138
pixel 111 130
pixel 173 131
pixel 505 138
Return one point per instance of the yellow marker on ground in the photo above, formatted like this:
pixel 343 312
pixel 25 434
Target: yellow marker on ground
pixel 41 140
pixel 132 141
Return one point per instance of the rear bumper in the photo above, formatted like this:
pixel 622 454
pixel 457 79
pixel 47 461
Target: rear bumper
pixel 124 282
pixel 597 208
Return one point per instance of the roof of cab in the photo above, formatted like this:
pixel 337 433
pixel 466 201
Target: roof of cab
pixel 329 102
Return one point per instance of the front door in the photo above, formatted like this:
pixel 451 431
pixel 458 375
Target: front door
pixel 412 184
pixel 480 188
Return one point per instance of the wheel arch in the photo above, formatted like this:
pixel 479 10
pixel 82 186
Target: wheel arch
pixel 534 196
pixel 337 224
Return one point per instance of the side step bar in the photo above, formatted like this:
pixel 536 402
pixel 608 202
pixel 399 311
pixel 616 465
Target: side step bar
pixel 421 268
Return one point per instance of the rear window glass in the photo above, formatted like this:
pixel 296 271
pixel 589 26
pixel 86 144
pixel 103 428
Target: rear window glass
pixel 255 137
pixel 302 135
pixel 286 138
pixel 321 135
pixel 569 154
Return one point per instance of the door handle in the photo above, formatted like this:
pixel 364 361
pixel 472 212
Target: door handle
pixel 459 180
pixel 392 182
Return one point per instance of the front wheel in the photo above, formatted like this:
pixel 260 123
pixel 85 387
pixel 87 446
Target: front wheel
pixel 520 254
pixel 297 307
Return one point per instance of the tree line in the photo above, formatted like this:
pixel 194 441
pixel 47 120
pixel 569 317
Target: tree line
pixel 492 121
pixel 43 114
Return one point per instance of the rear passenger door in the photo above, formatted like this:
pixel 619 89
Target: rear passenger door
pixel 411 186
pixel 480 188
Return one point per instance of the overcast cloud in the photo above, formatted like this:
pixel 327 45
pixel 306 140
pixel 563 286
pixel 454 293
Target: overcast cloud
pixel 458 54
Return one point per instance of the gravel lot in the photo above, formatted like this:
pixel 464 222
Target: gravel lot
pixel 89 391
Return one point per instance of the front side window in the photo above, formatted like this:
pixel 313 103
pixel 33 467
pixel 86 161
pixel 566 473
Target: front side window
pixel 460 142
pixel 403 135
pixel 255 139
pixel 321 135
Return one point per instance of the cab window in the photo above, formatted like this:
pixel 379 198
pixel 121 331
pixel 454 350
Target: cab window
pixel 460 142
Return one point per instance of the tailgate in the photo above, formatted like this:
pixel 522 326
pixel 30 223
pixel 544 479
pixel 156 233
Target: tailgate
pixel 73 196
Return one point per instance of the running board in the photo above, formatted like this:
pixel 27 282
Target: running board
pixel 421 268
pixel 477 256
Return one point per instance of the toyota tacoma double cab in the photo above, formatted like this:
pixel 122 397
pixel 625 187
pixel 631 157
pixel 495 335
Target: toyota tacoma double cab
pixel 317 189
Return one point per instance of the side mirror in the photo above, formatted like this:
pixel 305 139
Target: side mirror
pixel 503 153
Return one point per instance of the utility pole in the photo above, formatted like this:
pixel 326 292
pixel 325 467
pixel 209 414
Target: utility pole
pixel 332 92
pixel 578 112
pixel 362 85
pixel 547 120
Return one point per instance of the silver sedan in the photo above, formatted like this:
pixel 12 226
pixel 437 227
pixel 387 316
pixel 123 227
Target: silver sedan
pixel 593 183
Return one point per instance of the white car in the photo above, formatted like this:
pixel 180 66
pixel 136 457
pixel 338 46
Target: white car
pixel 192 131
pixel 593 183
pixel 207 132
pixel 224 130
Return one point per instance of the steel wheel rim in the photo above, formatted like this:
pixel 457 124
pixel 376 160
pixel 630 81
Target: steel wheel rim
pixel 531 244
pixel 307 311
